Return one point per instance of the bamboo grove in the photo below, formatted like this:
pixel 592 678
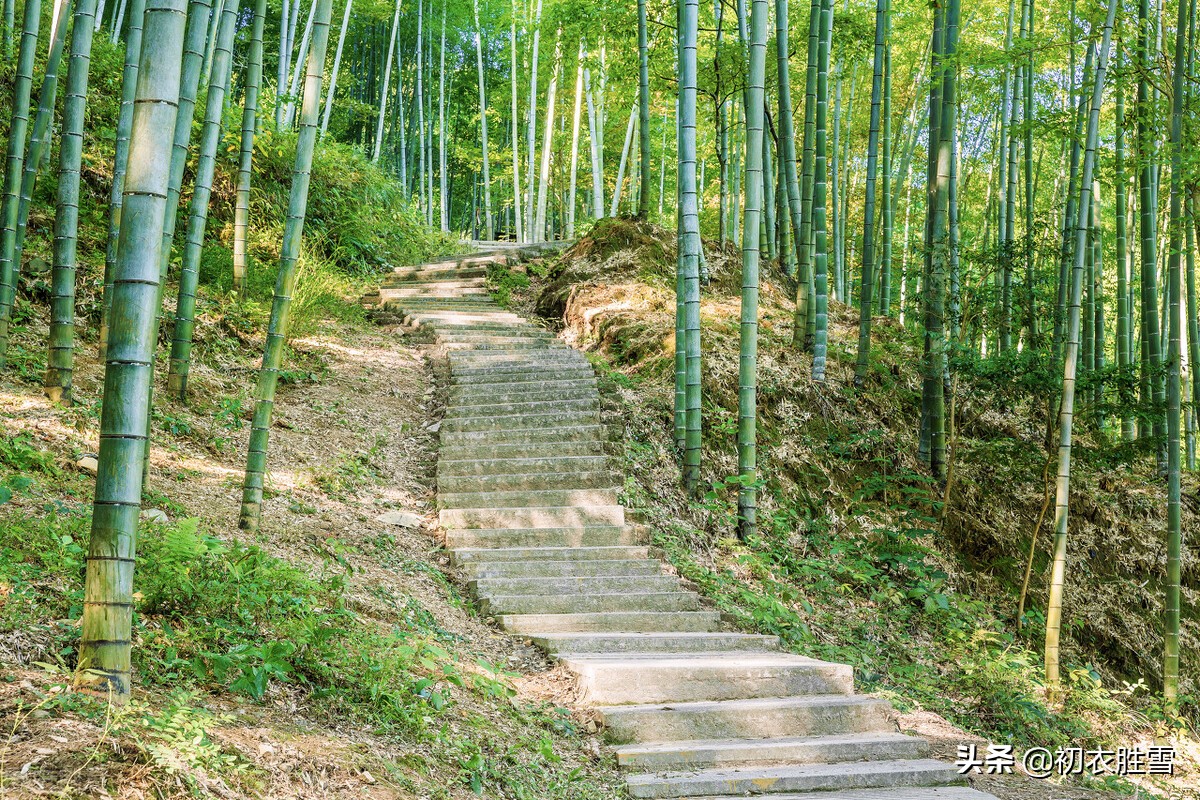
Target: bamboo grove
pixel 1006 181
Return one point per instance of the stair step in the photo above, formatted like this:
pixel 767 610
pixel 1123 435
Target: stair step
pixel 557 537
pixel 448 284
pixel 460 410
pixel 612 621
pixel 716 753
pixel 436 273
pixel 513 377
pixel 616 679
pixel 521 500
pixel 568 433
pixel 533 393
pixel 486 450
pixel 589 603
pixel 568 645
pixel 519 422
pixel 794 778
pixel 572 586
pixel 763 718
pixel 548 517
pixel 589 568
pixel 580 465
pixel 895 793
pixel 564 480
pixel 469 556
pixel 424 290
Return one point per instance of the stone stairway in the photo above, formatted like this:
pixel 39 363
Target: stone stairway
pixel 529 504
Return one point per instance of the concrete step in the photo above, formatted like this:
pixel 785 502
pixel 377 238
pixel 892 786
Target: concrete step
pixel 568 433
pixel 535 353
pixel 502 391
pixel 470 556
pixel 438 272
pixel 567 645
pixel 574 585
pixel 538 538
pixel 794 778
pixel 487 451
pixel 508 349
pixel 611 621
pixel 590 603
pixel 522 377
pixel 581 568
pixel 895 793
pixel 529 393
pixel 522 518
pixel 432 286
pixel 577 465
pixel 457 410
pixel 516 335
pixel 724 753
pixel 530 498
pixel 616 679
pixel 400 293
pixel 815 715
pixel 544 420
pixel 564 480
pixel 444 317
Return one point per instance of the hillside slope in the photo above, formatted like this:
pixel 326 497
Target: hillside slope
pixel 861 558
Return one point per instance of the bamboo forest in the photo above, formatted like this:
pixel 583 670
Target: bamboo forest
pixel 598 399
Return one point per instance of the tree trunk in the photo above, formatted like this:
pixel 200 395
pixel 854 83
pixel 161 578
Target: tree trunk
pixel 575 123
pixel 539 228
pixel 387 83
pixel 531 143
pixel 820 315
pixel 210 138
pixel 1067 408
pixel 804 277
pixel 688 212
pixel 443 177
pixel 868 250
pixel 133 45
pixel 241 213
pixel 39 139
pixel 519 229
pixel 60 363
pixel 748 349
pixel 104 647
pixel 643 113
pixel 337 63
pixel 487 181
pixel 14 164
pixel 285 283
pixel 616 199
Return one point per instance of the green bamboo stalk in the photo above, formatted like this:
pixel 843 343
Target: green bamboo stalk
pixel 748 350
pixel 643 112
pixel 116 197
pixel 1067 409
pixel 285 284
pixel 39 139
pixel 14 163
pixel 787 132
pixel 1171 621
pixel 254 71
pixel 60 364
pixel 819 324
pixel 1147 225
pixel 690 245
pixel 1031 319
pixel 210 137
pixel 888 223
pixel 104 649
pixel 866 307
pixel 804 278
pixel 1124 356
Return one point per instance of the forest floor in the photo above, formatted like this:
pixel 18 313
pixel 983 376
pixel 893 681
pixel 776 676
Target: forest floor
pixel 353 440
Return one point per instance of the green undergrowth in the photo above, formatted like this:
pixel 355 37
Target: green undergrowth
pixel 221 627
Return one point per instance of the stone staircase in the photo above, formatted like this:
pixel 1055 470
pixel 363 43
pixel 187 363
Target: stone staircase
pixel 529 504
